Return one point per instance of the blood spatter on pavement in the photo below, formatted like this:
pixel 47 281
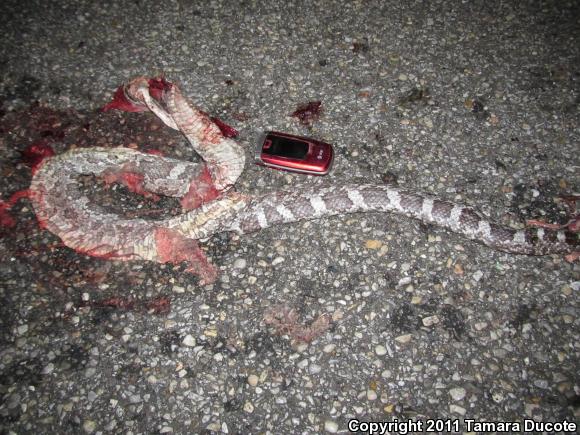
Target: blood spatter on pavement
pixel 308 113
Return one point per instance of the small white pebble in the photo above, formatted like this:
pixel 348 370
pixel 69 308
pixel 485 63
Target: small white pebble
pixel 497 397
pixel 277 260
pixel 240 263
pixel 214 427
pixel 457 393
pixel 330 426
pixel 480 325
pixel 314 369
pixel 329 348
pixel 405 338
pixel 189 340
pixel 253 380
pixel 301 347
pixel 430 321
pixel 456 409
pixel 404 281
pixel 371 395
pixel 89 426
pixel 380 350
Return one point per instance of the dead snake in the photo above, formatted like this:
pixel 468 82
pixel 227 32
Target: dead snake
pixel 82 225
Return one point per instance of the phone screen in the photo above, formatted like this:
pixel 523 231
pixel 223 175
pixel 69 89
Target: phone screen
pixel 285 147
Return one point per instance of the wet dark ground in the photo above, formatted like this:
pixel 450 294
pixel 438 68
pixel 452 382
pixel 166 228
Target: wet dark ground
pixel 474 101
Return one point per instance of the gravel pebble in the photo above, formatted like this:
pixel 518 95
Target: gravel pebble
pixel 479 326
pixel 405 338
pixel 373 244
pixel 89 426
pixel 456 409
pixel 330 426
pixel 457 394
pixel 430 320
pixel 249 407
pixel 240 263
pixel 189 341
pixel 329 348
pixel 178 289
pixel 314 369
pixel 253 380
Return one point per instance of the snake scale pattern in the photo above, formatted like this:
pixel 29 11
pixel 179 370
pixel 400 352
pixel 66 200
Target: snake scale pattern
pixel 211 206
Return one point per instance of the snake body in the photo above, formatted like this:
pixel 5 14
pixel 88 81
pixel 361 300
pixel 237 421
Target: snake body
pixel 211 207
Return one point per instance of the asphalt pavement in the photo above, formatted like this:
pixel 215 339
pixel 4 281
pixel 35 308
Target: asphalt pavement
pixel 320 326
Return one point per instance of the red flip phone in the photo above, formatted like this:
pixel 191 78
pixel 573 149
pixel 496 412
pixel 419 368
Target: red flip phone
pixel 294 153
